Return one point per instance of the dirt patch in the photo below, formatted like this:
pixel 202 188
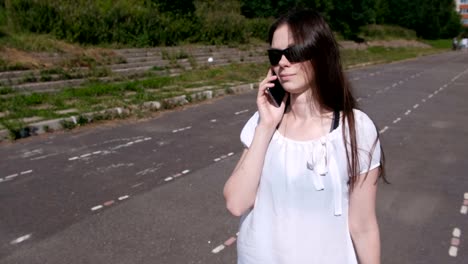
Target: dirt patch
pixel 26 59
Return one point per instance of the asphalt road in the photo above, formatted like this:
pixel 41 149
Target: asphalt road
pixel 150 191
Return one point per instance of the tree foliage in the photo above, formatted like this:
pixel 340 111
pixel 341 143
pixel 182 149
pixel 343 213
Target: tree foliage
pixel 170 22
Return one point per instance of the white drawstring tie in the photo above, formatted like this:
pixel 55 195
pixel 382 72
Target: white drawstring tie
pixel 322 162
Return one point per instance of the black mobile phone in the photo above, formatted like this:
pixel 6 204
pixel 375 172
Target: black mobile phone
pixel 276 93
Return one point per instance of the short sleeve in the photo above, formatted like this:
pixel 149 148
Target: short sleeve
pixel 248 131
pixel 368 144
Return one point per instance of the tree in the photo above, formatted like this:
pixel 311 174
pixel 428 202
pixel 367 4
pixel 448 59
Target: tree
pixel 349 15
pixel 430 19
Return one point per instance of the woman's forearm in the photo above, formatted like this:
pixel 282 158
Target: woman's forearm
pixel 367 244
pixel 241 188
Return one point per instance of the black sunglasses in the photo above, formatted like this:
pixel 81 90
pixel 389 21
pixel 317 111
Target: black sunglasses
pixel 293 54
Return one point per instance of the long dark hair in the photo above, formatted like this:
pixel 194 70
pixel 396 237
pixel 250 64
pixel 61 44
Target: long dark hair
pixel 332 91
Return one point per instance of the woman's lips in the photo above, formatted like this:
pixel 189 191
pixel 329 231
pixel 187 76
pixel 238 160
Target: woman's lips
pixel 285 77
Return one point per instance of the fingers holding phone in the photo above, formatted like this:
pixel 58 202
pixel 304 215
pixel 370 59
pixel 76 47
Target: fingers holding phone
pixel 271 99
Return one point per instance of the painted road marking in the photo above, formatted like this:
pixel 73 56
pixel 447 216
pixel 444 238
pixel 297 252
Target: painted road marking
pixel 181 129
pixel 96 207
pixel 455 242
pixel 383 130
pixel 453 251
pixel 223 157
pixel 396 120
pixel 12 176
pixel 21 239
pixel 218 249
pixel 241 112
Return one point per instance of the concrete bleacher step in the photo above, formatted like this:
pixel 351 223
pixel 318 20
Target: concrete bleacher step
pixel 138 63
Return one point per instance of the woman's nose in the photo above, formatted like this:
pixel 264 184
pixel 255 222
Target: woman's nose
pixel 284 61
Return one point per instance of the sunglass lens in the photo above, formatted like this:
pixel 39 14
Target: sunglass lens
pixel 274 56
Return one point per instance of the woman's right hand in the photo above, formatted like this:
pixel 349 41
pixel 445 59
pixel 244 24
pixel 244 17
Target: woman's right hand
pixel 270 115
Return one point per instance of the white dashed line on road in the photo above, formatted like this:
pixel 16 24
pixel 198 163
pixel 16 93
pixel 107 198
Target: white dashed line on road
pixel 241 112
pixel 21 239
pixel 396 120
pixel 181 129
pixel 383 130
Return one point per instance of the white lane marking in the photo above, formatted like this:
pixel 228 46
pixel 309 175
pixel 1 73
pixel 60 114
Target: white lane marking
pixel 96 207
pixel 45 156
pixel 11 176
pixel 423 100
pixel 213 120
pixel 217 249
pixel 359 99
pixel 121 198
pixel 168 179
pixel 453 251
pixel 241 112
pixel 104 152
pixel 396 120
pixel 185 171
pixel 356 78
pixel 383 130
pixel 465 196
pixel 394 85
pixel 430 96
pixel 386 88
pixel 32 153
pixel 456 232
pixel 415 106
pixel 400 82
pixel 137 185
pixel 223 157
pixel 408 112
pixel 436 92
pixel 181 129
pixel 21 239
pixel 464 209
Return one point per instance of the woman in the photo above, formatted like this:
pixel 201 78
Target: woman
pixel 305 184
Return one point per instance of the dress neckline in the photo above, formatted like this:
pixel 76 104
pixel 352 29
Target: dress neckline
pixel 327 137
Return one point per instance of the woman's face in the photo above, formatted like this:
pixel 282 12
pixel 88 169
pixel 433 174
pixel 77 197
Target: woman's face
pixel 295 77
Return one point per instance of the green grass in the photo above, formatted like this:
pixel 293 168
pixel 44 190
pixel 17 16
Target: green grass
pixel 383 54
pixel 386 32
pixel 31 42
pixel 440 43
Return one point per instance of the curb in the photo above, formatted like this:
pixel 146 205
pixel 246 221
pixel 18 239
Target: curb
pixel 71 122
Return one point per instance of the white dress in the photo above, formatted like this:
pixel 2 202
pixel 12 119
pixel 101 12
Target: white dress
pixel 300 214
